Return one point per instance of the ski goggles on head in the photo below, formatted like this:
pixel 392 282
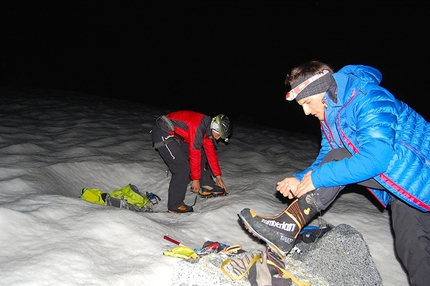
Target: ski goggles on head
pixel 313 85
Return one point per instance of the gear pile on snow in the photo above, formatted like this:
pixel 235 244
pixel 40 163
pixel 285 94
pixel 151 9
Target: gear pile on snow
pixel 230 265
pixel 339 257
pixel 128 197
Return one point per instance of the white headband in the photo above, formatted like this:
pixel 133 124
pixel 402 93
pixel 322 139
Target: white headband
pixel 292 94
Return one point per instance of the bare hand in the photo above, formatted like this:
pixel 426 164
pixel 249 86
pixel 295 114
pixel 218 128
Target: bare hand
pixel 288 186
pixel 195 186
pixel 305 185
pixel 220 183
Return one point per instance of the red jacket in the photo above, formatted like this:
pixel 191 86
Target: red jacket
pixel 195 128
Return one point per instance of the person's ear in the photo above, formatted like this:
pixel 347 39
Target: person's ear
pixel 323 102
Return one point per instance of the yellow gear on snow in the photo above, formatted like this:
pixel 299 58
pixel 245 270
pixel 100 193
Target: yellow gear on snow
pixel 92 195
pixel 181 251
pixel 131 196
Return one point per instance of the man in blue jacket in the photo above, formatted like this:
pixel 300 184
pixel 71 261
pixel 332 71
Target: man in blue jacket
pixel 369 138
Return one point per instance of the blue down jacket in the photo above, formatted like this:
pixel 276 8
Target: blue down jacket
pixel 388 139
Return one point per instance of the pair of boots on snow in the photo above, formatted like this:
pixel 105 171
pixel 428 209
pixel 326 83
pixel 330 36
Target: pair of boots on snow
pixel 280 232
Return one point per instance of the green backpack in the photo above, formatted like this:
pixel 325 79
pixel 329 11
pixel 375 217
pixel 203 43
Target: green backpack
pixel 127 197
pixel 95 196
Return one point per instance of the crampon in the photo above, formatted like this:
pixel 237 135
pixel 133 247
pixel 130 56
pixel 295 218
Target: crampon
pixel 210 192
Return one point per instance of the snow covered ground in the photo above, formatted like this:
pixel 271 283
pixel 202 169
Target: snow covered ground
pixel 54 143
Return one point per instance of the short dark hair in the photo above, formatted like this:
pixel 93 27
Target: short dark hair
pixel 309 69
pixel 312 67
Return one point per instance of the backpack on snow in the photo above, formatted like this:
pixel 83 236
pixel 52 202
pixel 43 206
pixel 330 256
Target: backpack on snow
pixel 95 196
pixel 127 197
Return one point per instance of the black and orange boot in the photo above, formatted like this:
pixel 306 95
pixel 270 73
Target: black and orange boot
pixel 280 232
pixel 212 191
pixel 182 209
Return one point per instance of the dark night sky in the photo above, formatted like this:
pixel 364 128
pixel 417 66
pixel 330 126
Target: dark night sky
pixel 229 58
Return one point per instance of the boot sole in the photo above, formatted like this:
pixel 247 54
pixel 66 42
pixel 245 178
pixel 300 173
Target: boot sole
pixel 212 195
pixel 181 213
pixel 273 247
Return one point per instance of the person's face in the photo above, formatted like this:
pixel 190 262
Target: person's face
pixel 314 105
pixel 216 135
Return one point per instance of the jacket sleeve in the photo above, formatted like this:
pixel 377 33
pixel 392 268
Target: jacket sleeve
pixel 197 141
pixel 370 134
pixel 195 156
pixel 195 161
pixel 211 155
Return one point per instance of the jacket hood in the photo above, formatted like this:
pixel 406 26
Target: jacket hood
pixel 358 76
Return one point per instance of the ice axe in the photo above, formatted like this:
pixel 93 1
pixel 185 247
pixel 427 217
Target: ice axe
pixel 174 241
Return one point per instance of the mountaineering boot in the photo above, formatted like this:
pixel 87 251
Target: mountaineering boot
pixel 210 192
pixel 182 209
pixel 280 232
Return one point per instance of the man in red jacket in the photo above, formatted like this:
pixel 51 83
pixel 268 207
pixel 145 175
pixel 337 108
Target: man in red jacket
pixel 186 141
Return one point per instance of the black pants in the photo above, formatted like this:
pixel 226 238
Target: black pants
pixel 412 240
pixel 175 155
pixel 325 196
pixel 411 226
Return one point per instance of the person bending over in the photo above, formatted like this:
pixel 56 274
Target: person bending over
pixel 186 141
